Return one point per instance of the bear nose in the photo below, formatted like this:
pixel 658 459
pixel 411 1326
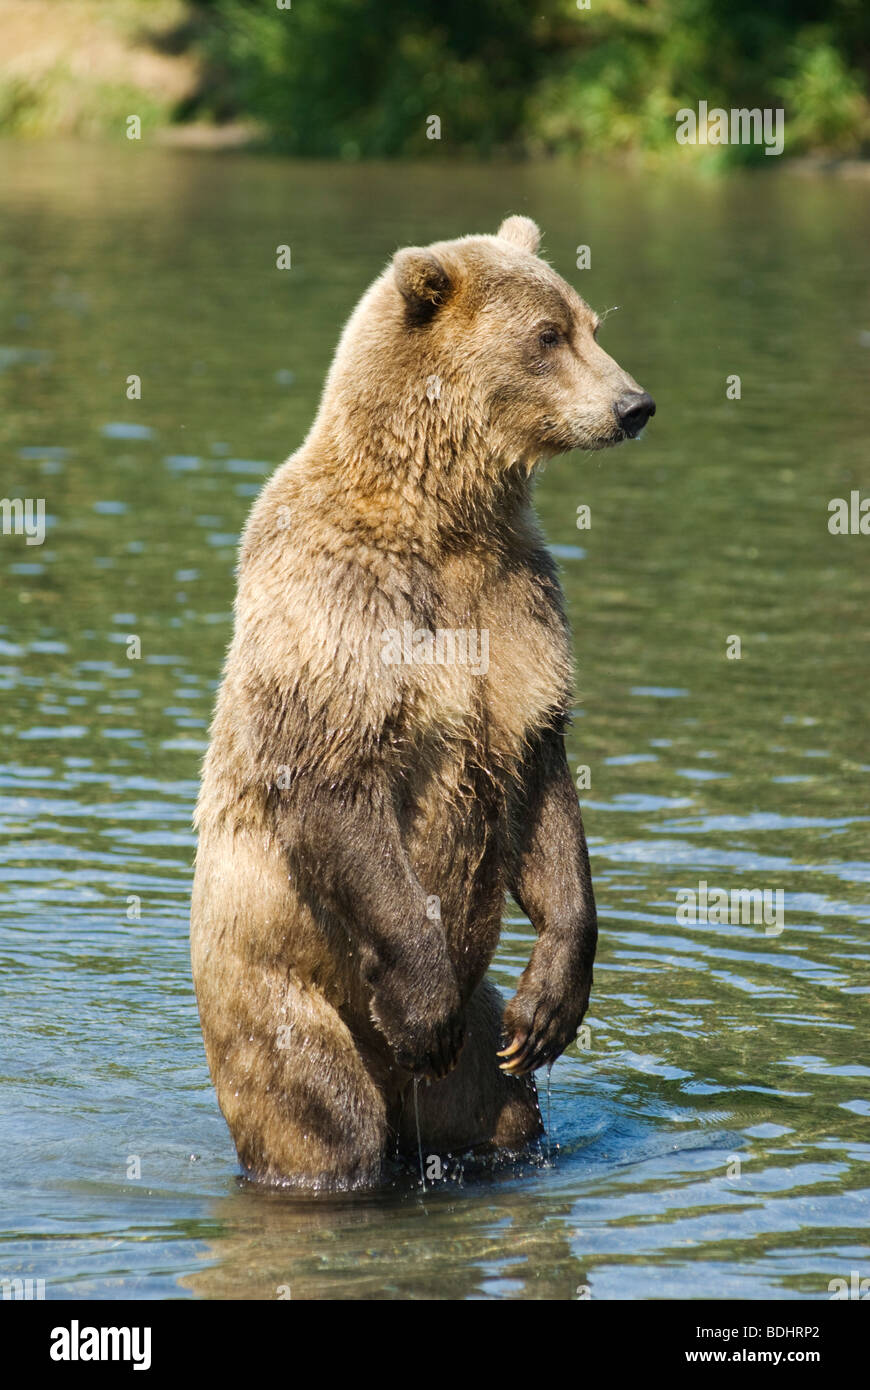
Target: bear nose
pixel 633 410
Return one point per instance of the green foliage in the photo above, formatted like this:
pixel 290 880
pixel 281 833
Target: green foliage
pixel 359 79
pixel 827 98
pixel 61 102
pixel 355 78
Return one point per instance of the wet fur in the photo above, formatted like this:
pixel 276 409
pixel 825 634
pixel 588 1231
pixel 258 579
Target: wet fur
pixel 341 794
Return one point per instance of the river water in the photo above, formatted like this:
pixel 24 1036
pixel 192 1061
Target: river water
pixel 710 1136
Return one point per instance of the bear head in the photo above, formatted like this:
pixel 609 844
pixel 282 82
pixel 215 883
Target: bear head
pixel 478 339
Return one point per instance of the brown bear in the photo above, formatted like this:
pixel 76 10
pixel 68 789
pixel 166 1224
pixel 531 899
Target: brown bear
pixel 387 756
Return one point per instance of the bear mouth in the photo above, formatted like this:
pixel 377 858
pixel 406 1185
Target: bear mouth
pixel 566 438
pixel 604 441
pixel 631 434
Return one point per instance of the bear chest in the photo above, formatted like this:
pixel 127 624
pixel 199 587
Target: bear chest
pixel 489 669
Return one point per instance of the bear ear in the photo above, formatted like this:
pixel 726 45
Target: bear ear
pixel 522 232
pixel 422 280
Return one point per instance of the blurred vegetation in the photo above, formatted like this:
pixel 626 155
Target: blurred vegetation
pixel 80 67
pixel 354 78
pixel 361 78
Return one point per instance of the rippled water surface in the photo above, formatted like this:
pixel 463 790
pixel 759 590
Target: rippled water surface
pixel 712 1137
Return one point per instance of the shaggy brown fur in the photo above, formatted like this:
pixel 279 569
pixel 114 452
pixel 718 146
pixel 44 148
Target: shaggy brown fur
pixel 361 817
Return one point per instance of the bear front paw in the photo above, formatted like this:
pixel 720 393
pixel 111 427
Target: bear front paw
pixel 424 1037
pixel 537 1030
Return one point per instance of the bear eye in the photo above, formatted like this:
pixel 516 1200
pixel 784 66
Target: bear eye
pixel 549 338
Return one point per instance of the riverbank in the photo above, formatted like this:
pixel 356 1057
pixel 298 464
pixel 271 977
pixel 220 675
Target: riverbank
pixel 333 83
pixel 80 67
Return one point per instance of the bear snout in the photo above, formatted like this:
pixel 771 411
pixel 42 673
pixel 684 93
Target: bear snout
pixel 633 410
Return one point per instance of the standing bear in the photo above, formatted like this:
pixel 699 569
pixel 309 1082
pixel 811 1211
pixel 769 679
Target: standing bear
pixel 387 756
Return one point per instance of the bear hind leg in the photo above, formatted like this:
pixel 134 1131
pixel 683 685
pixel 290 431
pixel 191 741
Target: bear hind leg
pixel 301 1106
